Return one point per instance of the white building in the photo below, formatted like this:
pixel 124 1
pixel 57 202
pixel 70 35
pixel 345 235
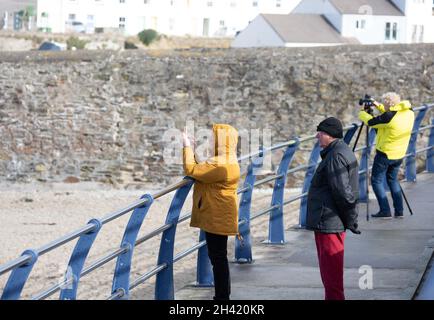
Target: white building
pixel 363 21
pixel 9 14
pixel 216 18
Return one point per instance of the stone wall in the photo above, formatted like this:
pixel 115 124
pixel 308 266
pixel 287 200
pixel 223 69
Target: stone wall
pixel 101 116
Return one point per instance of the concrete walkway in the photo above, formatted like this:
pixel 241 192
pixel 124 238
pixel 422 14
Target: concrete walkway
pixel 397 250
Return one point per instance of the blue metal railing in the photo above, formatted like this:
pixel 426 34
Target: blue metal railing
pixel 164 287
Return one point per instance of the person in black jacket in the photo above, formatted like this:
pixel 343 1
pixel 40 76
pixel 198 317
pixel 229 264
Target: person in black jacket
pixel 332 205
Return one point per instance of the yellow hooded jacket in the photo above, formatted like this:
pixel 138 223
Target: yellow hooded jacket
pixel 393 128
pixel 215 201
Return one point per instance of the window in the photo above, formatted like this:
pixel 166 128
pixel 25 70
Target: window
pixel 414 33
pixel 209 4
pixel 278 3
pixel 172 3
pixel 222 23
pixel 395 31
pixel 360 24
pixel 234 4
pixel 154 23
pixel 122 22
pixel 255 3
pixel 171 24
pixel 206 23
pixel 71 16
pixel 90 18
pixel 146 1
pixel 421 28
pixel 121 1
pixel 391 31
pixel 387 31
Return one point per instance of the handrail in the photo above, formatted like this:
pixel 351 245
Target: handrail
pixel 257 153
pixel 169 189
pixel 282 145
pixel 246 190
pixel 46 248
pixel 52 290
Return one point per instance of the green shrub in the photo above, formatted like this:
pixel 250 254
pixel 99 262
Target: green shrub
pixel 147 36
pixel 74 42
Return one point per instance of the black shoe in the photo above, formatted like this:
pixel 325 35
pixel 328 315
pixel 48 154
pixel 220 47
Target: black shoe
pixel 399 215
pixel 382 215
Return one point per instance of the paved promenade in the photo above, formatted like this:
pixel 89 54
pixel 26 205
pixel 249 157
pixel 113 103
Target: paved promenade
pixel 396 250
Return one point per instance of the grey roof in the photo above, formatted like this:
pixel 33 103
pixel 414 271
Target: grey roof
pixel 377 7
pixel 304 28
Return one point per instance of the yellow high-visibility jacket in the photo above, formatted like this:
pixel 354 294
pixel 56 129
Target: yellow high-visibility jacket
pixel 215 201
pixel 393 128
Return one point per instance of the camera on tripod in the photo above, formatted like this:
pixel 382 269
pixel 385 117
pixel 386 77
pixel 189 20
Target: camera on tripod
pixel 367 102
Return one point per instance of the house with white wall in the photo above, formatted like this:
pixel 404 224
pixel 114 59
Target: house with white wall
pixel 213 18
pixel 363 21
pixel 9 17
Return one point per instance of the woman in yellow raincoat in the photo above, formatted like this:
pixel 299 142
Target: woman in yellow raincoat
pixel 215 201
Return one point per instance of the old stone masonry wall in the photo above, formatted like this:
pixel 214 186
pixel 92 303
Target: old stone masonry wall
pixel 102 116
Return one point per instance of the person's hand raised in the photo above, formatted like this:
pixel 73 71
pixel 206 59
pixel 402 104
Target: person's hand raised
pixel 185 139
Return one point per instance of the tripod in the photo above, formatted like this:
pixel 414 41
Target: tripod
pixel 367 172
pixel 367 164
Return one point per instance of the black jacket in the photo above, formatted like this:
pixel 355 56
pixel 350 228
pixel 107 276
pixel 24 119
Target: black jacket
pixel 334 191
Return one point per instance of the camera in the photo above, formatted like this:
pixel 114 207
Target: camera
pixel 367 102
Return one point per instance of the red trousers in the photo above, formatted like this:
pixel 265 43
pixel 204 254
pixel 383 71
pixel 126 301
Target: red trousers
pixel 330 249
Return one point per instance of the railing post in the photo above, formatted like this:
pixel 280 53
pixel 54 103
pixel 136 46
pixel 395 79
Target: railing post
pixel 18 277
pixel 364 161
pixel 76 262
pixel 430 152
pixel 243 248
pixel 276 232
pixel 164 286
pixel 350 133
pixel 410 161
pixel 313 160
pixel 121 278
pixel 204 275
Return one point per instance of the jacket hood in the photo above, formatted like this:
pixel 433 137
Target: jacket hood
pixel 403 105
pixel 225 139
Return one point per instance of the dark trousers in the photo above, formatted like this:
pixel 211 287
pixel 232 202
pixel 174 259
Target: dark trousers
pixel 330 249
pixel 217 252
pixel 385 168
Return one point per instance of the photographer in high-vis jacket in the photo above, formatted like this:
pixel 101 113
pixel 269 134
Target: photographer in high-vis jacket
pixel 394 126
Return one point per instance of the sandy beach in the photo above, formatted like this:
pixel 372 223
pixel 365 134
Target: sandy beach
pixel 33 215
